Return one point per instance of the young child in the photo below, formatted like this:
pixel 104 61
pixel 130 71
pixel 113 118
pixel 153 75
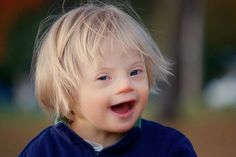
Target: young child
pixel 95 68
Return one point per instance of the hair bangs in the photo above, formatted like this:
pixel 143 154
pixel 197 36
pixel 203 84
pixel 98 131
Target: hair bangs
pixel 112 28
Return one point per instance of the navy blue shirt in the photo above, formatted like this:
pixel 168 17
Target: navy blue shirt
pixel 150 140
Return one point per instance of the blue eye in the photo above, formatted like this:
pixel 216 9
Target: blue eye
pixel 135 72
pixel 103 78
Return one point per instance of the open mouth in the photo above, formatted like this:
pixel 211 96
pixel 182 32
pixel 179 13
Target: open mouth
pixel 123 108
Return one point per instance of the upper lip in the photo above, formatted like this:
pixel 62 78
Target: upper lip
pixel 124 101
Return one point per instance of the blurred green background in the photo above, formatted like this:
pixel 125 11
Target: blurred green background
pixel 198 36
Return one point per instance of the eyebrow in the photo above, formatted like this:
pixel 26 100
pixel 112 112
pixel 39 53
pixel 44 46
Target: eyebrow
pixel 138 62
pixel 103 69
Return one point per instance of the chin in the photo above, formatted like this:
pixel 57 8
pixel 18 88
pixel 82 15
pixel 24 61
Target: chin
pixel 124 128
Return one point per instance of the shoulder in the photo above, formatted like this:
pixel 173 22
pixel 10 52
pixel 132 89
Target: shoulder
pixel 39 145
pixel 170 140
pixel 159 130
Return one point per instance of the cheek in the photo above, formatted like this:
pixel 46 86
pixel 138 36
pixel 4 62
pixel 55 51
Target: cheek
pixel 92 102
pixel 144 93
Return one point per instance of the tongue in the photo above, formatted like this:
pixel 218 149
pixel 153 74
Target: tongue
pixel 121 108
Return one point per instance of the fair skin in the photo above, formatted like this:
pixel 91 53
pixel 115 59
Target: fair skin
pixel 111 96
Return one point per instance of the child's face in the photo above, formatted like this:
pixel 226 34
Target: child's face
pixel 112 95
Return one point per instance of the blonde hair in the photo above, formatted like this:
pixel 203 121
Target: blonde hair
pixel 76 36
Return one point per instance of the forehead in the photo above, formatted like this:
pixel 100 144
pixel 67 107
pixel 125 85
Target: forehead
pixel 110 49
pixel 112 56
pixel 116 49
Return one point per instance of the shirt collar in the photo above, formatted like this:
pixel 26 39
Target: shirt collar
pixel 131 136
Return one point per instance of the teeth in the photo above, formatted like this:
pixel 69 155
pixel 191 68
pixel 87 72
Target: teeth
pixel 129 103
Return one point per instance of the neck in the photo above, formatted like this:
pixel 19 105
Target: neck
pixel 93 134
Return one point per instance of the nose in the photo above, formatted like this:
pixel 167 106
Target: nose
pixel 124 85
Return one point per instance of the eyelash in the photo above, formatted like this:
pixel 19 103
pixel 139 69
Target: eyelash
pixel 132 73
pixel 135 72
pixel 103 78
